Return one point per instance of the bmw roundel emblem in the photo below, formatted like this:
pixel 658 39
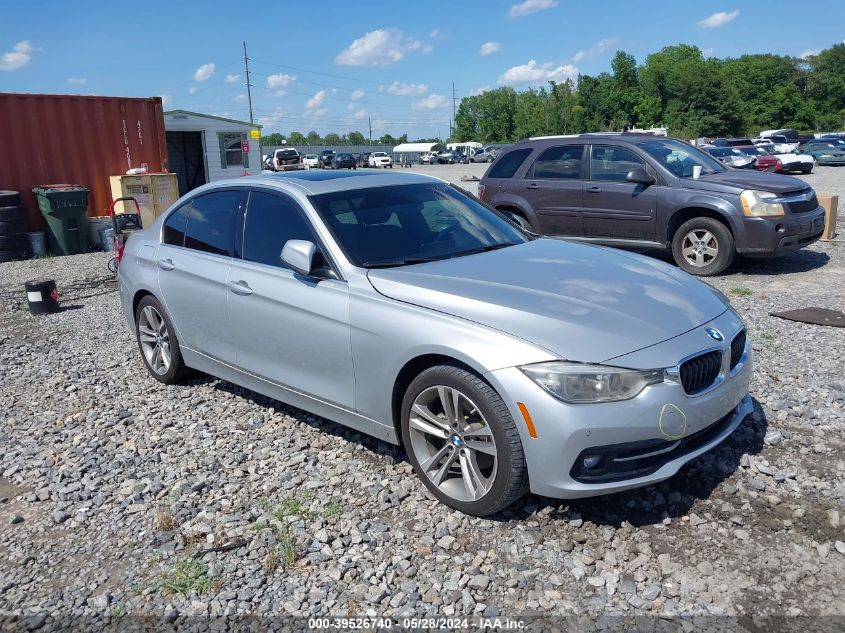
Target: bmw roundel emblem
pixel 715 334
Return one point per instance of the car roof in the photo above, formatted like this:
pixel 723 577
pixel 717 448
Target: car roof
pixel 593 137
pixel 319 181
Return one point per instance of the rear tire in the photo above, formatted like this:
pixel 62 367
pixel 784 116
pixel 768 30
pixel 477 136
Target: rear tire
pixel 159 348
pixel 469 455
pixel 703 247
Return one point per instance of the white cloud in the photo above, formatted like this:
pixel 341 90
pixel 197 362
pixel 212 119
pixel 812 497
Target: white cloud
pixel 166 100
pixel 533 73
pixel 361 114
pixel 478 91
pixel 407 90
pixel 598 48
pixel 192 90
pixel 316 101
pixel 719 18
pixel 79 81
pixel 357 95
pixel 281 93
pixel 204 72
pixel 273 120
pixel 239 98
pixel 708 52
pixel 809 53
pixel 380 48
pixel 530 6
pixel 232 78
pixel 488 48
pixel 280 80
pixel 18 57
pixel 434 34
pixel 431 101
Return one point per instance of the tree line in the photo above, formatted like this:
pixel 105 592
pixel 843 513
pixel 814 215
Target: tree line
pixel 313 138
pixel 677 87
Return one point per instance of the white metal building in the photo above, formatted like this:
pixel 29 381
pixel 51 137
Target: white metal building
pixel 203 148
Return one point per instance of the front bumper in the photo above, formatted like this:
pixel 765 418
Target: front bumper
pixel 655 434
pixel 776 236
pixel 832 162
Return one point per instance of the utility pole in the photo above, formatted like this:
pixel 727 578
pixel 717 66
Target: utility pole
pixel 454 123
pixel 370 123
pixel 248 85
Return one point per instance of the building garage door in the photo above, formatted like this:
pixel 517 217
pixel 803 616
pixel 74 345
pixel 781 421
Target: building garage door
pixel 187 159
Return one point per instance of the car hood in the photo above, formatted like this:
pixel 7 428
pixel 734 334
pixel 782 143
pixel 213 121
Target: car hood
pixel 582 303
pixel 737 180
pixel 794 158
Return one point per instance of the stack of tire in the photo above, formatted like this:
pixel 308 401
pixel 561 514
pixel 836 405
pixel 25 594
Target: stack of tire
pixel 14 243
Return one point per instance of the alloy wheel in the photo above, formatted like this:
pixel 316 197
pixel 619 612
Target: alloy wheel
pixel 699 247
pixel 453 443
pixel 155 339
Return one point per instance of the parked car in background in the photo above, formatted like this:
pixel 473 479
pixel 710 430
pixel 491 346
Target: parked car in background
pixel 784 135
pixel 380 159
pixel 287 159
pixel 826 151
pixel 485 155
pixel 765 160
pixel 792 161
pixel 731 156
pixel 344 161
pixel 428 158
pixel 326 157
pixel 731 142
pixel 267 162
pixel 363 159
pixel 446 158
pixel 404 309
pixel 311 161
pixel 638 190
pixel 460 157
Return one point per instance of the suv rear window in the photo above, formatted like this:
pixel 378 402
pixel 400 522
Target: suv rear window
pixel 506 166
pixel 287 153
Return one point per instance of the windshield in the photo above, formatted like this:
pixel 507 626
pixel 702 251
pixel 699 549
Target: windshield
pixel 679 157
pixel 756 150
pixel 409 224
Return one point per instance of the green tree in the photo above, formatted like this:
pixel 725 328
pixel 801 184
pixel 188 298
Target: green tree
pixel 312 138
pixel 296 138
pixel 332 139
pixel 356 138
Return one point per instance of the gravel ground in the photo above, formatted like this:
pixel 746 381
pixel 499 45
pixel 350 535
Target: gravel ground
pixel 120 496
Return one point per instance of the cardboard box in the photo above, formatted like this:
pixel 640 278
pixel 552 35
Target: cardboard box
pixel 830 204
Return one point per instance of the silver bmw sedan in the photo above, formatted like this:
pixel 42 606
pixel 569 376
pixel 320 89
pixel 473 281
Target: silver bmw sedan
pixel 402 307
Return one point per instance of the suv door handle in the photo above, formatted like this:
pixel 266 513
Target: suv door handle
pixel 532 185
pixel 240 288
pixel 166 264
pixel 593 189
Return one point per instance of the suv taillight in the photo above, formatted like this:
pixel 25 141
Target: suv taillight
pixel 481 192
pixel 120 250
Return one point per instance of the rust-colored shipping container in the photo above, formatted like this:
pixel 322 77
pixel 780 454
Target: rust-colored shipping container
pixel 47 139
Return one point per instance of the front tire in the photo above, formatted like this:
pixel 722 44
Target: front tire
pixel 462 441
pixel 703 246
pixel 157 342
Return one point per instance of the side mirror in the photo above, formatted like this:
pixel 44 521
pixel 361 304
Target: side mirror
pixel 299 255
pixel 640 176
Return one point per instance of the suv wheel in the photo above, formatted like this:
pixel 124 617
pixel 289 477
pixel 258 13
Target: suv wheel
pixel 703 246
pixel 462 441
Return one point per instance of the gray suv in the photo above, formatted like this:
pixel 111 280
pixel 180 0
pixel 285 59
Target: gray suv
pixel 641 191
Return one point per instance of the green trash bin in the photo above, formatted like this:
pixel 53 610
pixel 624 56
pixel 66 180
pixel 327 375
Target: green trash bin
pixel 65 207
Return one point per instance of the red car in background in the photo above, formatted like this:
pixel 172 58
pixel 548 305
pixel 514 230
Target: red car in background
pixel 765 160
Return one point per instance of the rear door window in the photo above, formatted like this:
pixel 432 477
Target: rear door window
pixel 558 163
pixel 608 162
pixel 211 223
pixel 271 220
pixel 174 225
pixel 506 166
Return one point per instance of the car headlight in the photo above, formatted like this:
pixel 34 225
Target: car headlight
pixel 580 384
pixel 757 203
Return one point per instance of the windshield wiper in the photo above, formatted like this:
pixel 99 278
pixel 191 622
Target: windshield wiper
pixel 484 249
pixel 400 262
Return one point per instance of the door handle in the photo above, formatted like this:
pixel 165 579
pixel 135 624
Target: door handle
pixel 240 288
pixel 532 185
pixel 166 264
pixel 593 189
